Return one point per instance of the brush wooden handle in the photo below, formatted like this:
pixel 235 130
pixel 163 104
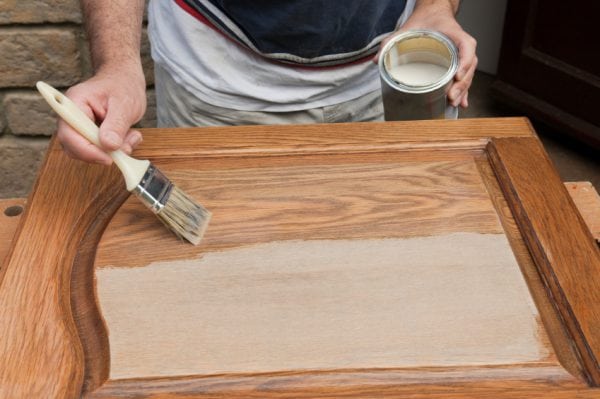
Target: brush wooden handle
pixel 133 169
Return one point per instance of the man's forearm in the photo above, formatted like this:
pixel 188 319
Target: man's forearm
pixel 451 5
pixel 114 30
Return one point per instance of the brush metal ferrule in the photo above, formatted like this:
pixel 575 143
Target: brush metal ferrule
pixel 154 189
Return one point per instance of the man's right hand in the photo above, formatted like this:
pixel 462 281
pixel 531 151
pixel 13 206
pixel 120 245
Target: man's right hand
pixel 115 98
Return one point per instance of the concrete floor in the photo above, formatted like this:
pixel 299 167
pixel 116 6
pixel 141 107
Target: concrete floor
pixel 574 161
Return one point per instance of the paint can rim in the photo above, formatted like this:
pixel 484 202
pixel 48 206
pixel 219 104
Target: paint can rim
pixel 412 34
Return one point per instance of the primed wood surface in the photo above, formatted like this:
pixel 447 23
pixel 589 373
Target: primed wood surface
pixel 324 304
pixel 51 328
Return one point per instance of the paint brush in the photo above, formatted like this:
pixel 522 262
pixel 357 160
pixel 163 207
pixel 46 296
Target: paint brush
pixel 177 210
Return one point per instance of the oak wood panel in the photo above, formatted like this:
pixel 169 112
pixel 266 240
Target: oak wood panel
pixel 361 202
pixel 52 361
pixel 559 336
pixel 583 193
pixel 40 351
pixel 563 248
pixel 321 138
pixel 254 201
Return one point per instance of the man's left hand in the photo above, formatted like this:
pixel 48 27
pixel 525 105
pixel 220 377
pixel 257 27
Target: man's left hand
pixel 438 15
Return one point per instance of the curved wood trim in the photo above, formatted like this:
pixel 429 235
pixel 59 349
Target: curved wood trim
pixel 41 354
pixel 84 306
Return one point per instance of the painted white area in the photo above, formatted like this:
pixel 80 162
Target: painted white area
pixel 417 73
pixel 484 20
pixel 456 299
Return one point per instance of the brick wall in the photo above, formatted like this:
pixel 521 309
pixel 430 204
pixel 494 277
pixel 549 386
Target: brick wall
pixel 40 40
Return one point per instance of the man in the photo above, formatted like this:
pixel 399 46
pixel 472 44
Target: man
pixel 220 62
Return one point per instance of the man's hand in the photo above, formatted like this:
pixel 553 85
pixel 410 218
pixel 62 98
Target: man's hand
pixel 115 99
pixel 438 15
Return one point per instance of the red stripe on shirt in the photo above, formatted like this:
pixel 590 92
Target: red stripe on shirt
pixel 194 13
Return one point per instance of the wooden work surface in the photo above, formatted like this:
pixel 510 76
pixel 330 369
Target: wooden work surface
pixel 426 258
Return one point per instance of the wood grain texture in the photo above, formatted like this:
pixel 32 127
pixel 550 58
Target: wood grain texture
pixel 325 304
pixel 425 383
pixel 51 341
pixel 9 221
pixel 563 248
pixel 40 351
pixel 557 333
pixel 257 201
pixel 85 311
pixel 587 201
pixel 276 140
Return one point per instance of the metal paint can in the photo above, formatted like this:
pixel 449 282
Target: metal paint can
pixel 408 100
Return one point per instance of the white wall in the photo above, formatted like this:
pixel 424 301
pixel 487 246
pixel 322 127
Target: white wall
pixel 484 20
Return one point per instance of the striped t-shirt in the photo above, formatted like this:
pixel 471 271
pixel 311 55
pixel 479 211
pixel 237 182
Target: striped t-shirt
pixel 273 55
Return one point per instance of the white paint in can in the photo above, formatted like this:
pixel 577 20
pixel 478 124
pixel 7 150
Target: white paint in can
pixel 417 73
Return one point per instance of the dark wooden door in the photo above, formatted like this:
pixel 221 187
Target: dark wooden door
pixel 550 64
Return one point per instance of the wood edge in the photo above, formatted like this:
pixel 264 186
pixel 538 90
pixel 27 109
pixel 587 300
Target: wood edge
pixel 72 384
pixel 585 354
pixel 385 125
pixel 587 201
pixel 25 215
pixel 555 329
pixel 308 149
pixel 71 372
pixel 351 382
pixel 85 308
pixel 353 137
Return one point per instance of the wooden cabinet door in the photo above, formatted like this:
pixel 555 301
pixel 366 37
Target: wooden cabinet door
pixel 425 259
pixel 550 64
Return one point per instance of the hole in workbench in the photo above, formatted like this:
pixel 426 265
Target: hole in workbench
pixel 15 210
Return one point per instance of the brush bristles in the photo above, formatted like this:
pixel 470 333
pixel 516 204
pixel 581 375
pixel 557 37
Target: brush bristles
pixel 184 216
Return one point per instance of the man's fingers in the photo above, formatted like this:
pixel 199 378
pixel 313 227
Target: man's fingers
pixel 460 87
pixel 75 145
pixel 466 55
pixel 116 124
pixel 133 139
pixel 465 100
pixel 78 147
